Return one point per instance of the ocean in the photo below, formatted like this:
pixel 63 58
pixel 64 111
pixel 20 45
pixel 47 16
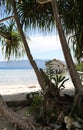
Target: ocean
pixel 13 81
pixel 17 77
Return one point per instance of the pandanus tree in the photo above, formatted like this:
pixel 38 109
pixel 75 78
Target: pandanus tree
pixel 65 48
pixel 10 41
pixel 71 16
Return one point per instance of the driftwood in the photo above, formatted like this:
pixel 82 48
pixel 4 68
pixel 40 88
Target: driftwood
pixel 15 119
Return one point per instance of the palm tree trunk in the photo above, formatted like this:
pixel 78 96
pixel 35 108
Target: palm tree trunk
pixel 37 71
pixel 74 76
pixel 73 73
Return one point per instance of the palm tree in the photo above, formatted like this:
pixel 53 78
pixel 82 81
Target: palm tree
pixel 37 71
pixel 65 48
pixel 67 55
pixel 71 16
pixel 11 41
pixel 74 76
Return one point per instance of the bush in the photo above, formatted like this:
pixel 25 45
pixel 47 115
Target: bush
pixel 35 108
pixel 79 67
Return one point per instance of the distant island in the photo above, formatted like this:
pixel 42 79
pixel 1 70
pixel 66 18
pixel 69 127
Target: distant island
pixel 21 64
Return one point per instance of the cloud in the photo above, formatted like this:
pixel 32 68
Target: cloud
pixel 46 47
pixel 44 44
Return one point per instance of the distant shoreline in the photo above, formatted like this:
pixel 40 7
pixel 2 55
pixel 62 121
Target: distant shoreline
pixel 21 64
pixel 16 68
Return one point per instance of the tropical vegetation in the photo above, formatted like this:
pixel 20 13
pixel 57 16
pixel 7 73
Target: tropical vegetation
pixel 79 67
pixel 31 14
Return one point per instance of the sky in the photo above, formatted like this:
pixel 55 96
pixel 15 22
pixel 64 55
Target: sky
pixel 43 47
pixel 46 47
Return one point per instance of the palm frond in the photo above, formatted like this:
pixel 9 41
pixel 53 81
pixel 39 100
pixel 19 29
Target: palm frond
pixel 34 15
pixel 11 41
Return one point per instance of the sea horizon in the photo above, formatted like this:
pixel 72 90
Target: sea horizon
pixel 17 76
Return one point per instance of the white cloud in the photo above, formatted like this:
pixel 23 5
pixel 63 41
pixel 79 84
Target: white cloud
pixel 46 47
pixel 44 44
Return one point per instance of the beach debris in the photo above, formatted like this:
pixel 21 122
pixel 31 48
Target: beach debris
pixel 71 123
pixel 32 86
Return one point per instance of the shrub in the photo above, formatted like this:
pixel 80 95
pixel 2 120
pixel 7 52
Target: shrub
pixel 35 108
pixel 79 67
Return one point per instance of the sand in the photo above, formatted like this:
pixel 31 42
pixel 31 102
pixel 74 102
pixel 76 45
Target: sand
pixel 18 92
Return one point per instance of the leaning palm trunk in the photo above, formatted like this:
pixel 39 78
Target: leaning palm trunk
pixel 74 76
pixel 73 73
pixel 37 71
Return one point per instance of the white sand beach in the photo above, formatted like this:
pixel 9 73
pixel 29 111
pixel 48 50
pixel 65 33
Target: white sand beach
pixel 18 92
pixel 16 83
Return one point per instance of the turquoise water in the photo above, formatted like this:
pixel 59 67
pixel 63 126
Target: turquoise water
pixel 17 76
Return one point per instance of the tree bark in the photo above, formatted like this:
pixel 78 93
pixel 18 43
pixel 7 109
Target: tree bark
pixel 37 71
pixel 74 76
pixel 73 73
